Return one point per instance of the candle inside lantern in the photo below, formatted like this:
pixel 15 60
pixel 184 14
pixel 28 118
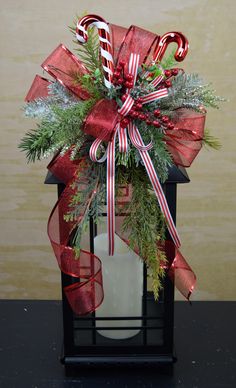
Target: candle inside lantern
pixel 123 287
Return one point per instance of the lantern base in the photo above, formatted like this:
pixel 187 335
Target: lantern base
pixel 71 363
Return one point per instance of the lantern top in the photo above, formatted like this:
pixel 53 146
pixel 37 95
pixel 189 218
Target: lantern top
pixel 176 175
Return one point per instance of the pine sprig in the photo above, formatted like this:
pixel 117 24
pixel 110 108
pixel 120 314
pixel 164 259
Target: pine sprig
pixel 159 153
pixel 42 107
pixel 88 52
pixel 189 91
pixel 170 61
pixel 92 83
pixel 63 131
pixel 143 215
pixel 87 199
pixel 211 141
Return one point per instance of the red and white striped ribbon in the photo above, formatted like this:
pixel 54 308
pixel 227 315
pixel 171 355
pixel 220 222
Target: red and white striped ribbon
pixel 143 149
pixel 156 187
pixel 109 155
pixel 133 65
pixel 111 195
pixel 93 152
pixel 136 142
pixel 153 96
pixel 123 140
pixel 157 80
pixel 129 102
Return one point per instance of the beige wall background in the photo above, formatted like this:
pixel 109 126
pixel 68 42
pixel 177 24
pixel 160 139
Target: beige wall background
pixel 30 30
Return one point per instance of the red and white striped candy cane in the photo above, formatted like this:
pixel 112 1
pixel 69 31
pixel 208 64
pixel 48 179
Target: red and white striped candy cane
pixel 164 42
pixel 105 42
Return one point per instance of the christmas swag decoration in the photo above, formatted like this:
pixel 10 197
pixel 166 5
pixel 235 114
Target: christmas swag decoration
pixel 118 117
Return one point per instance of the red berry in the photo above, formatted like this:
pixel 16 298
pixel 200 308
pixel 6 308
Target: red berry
pixel 156 124
pixel 168 83
pixel 129 77
pixel 124 123
pixel 128 84
pixel 165 119
pixel 139 100
pixel 132 113
pixel 120 81
pixel 116 74
pixel 124 97
pixel 170 125
pixel 139 106
pixel 119 68
pixel 157 112
pixel 167 73
pixel 174 71
pixel 148 121
pixel 142 116
pixel 122 63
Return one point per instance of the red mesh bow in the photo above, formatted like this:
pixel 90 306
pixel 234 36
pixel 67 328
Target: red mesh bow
pixel 184 143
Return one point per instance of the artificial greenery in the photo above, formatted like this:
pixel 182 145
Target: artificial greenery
pixel 211 141
pixel 60 129
pixel 89 52
pixel 145 226
pixel 189 91
pixel 61 116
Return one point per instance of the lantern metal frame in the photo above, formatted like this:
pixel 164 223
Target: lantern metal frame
pixel 154 344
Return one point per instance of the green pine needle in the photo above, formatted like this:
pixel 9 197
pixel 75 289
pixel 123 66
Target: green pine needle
pixel 170 61
pixel 88 52
pixel 211 141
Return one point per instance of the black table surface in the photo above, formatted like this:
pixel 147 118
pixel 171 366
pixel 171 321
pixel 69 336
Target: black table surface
pixel 31 343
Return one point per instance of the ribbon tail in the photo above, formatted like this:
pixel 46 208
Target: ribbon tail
pixel 111 195
pixel 182 275
pixel 86 293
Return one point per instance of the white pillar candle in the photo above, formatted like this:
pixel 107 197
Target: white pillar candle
pixel 123 287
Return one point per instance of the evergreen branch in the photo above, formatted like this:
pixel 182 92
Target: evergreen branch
pixel 42 107
pixel 63 130
pixel 35 143
pixel 170 61
pixel 145 226
pixel 87 200
pixel 89 51
pixel 93 83
pixel 189 91
pixel 211 141
pixel 159 153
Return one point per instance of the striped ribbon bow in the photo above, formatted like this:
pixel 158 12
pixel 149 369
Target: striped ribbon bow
pixel 136 139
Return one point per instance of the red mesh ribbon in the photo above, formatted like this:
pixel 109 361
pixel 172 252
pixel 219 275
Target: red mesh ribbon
pixel 184 143
pixel 101 121
pixel 86 293
pixel 179 271
pixel 39 88
pixel 133 40
pixel 62 64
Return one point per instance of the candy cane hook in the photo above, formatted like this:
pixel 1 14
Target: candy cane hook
pixel 105 42
pixel 164 42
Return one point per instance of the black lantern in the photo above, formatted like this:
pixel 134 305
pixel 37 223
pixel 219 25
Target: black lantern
pixel 153 343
